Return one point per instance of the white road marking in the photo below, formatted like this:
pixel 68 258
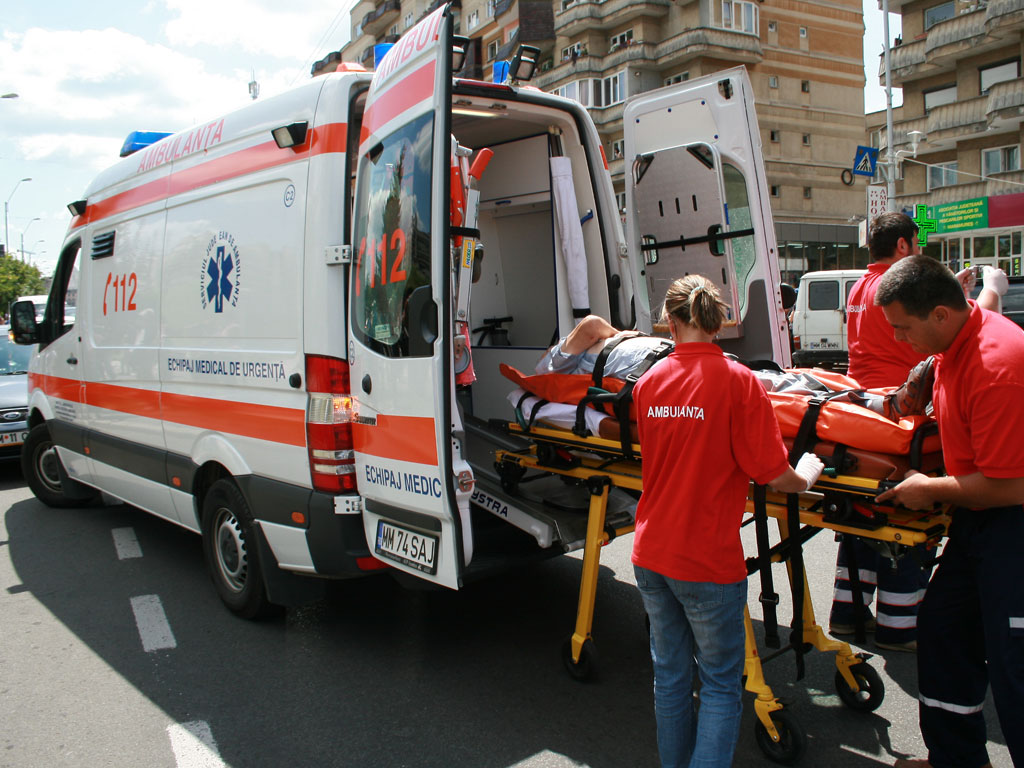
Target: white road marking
pixel 193 745
pixel 152 623
pixel 126 544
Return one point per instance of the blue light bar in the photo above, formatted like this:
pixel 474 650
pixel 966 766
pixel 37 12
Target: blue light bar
pixel 140 140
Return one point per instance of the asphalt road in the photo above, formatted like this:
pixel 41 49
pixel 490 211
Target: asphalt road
pixel 374 675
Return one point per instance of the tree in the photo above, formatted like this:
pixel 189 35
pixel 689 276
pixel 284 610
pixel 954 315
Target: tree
pixel 18 279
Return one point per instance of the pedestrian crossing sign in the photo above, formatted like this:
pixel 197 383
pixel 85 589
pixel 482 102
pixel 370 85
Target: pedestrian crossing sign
pixel 865 160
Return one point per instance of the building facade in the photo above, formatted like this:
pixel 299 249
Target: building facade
pixel 959 65
pixel 804 58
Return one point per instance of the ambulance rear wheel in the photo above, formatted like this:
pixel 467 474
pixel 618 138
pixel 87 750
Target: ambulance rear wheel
pixel 231 550
pixel 45 475
pixel 871 690
pixel 792 740
pixel 586 667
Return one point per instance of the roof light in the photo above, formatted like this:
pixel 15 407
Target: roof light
pixel 137 140
pixel 77 208
pixel 290 135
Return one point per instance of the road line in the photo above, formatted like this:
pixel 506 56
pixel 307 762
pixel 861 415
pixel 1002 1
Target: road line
pixel 151 620
pixel 193 745
pixel 126 544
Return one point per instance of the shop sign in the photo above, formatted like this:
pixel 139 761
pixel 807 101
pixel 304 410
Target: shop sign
pixel 965 214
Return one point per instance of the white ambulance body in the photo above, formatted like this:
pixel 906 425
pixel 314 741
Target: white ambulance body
pixel 261 348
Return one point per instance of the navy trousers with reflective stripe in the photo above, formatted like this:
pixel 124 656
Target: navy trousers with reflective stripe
pixel 972 616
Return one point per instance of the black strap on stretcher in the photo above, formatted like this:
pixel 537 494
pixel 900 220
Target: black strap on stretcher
pixel 621 400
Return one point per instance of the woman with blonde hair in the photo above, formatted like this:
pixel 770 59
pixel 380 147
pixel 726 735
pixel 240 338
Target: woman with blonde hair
pixel 706 429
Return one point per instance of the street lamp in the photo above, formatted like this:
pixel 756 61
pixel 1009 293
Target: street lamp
pixel 7 236
pixel 23 237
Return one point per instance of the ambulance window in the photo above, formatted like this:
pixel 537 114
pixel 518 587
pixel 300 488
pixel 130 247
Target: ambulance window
pixel 391 236
pixel 743 253
pixel 61 309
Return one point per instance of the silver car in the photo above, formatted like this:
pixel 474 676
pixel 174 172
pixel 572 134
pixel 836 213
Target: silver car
pixel 13 395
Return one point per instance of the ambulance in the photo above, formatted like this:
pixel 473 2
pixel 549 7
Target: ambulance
pixel 265 329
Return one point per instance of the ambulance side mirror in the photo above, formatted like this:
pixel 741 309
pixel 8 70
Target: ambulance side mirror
pixel 24 329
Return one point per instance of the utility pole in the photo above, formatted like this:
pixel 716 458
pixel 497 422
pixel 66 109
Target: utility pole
pixel 890 157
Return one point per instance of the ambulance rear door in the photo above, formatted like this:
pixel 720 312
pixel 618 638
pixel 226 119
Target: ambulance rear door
pixel 400 298
pixel 697 202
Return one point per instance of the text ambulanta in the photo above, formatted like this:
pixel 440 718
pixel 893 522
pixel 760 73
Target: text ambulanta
pixel 675 412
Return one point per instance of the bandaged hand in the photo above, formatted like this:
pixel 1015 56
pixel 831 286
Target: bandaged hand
pixel 994 279
pixel 809 468
pixel 967 278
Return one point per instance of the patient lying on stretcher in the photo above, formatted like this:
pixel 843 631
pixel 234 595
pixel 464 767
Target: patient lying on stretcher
pixel 553 400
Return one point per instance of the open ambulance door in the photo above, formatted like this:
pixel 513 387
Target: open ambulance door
pixel 697 202
pixel 400 298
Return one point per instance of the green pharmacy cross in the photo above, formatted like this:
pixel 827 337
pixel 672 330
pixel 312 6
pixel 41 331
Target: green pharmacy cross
pixel 924 224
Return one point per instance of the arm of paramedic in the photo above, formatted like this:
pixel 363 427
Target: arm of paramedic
pixel 994 282
pixel 801 478
pixel 976 491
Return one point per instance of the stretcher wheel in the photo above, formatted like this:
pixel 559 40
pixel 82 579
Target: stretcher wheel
pixel 792 740
pixel 871 692
pixel 586 667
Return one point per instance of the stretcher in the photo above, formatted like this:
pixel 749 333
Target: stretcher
pixel 839 502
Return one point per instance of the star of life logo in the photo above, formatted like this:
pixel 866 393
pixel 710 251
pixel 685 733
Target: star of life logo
pixel 220 278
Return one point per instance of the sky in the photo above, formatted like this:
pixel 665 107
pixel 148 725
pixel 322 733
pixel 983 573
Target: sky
pixel 88 74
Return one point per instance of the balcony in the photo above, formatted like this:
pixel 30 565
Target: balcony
pixel 1005 101
pixel 734 47
pixel 1004 15
pixel 569 69
pixel 377 20
pixel 608 119
pixel 1007 183
pixel 905 61
pixel 901 134
pixel 606 14
pixel 958 121
pixel 950 39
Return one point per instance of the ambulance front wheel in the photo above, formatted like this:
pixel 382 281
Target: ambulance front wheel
pixel 231 550
pixel 792 740
pixel 586 667
pixel 870 692
pixel 46 476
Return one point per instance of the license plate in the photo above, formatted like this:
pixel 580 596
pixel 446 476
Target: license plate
pixel 417 550
pixel 12 438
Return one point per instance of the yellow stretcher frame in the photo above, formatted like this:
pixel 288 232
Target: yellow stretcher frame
pixel 599 464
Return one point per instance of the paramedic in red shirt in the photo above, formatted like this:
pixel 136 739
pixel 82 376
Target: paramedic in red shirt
pixel 706 428
pixel 877 359
pixel 971 624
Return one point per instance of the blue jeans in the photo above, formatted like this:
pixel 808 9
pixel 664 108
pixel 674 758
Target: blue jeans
pixel 703 622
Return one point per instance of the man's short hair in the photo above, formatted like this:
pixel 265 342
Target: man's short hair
pixel 920 284
pixel 887 230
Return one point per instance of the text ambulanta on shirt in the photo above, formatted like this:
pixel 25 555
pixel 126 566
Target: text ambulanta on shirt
pixel 982 433
pixel 706 428
pixel 876 358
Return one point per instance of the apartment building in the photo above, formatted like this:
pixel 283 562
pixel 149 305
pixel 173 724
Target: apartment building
pixel 959 65
pixel 804 57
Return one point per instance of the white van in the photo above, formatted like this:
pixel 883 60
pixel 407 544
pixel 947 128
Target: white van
pixel 263 347
pixel 819 318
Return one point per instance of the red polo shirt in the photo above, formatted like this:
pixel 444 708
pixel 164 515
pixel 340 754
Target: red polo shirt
pixel 876 358
pixel 979 397
pixel 706 428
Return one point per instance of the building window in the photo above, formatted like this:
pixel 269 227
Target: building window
pixel 773 81
pixel 491 5
pixel 937 13
pixel 473 20
pixel 806 138
pixel 1000 159
pixel 492 49
pixel 408 20
pixel 618 148
pixel 773 26
pixel 620 201
pixel 936 98
pixel 805 86
pixel 998 73
pixel 573 51
pixel 610 90
pixel 807 193
pixel 776 190
pixel 620 40
pixel 393 30
pixel 677 78
pixel 803 32
pixel 774 136
pixel 941 175
pixel 740 16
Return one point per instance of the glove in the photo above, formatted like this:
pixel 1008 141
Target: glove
pixel 809 468
pixel 995 280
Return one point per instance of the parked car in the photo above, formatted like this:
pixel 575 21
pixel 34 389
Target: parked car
pixel 1013 301
pixel 13 395
pixel 818 322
